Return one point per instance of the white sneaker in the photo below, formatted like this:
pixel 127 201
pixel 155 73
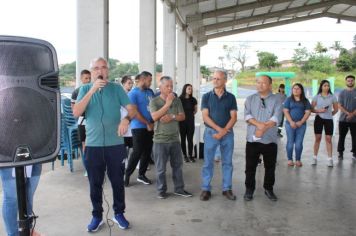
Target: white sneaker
pixel 330 162
pixel 354 158
pixel 314 161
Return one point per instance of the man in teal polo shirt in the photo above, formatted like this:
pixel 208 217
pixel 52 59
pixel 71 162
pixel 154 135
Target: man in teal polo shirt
pixel 101 101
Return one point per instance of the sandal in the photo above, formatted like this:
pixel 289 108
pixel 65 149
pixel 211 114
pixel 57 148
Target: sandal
pixel 290 163
pixel 298 163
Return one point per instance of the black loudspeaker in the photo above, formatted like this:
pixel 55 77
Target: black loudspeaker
pixel 29 102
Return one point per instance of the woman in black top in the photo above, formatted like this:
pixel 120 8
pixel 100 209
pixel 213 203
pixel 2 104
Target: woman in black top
pixel 187 126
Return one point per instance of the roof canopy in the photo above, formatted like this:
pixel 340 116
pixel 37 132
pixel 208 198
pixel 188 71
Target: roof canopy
pixel 209 19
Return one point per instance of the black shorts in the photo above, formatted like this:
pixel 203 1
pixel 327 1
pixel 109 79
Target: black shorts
pixel 320 123
pixel 128 142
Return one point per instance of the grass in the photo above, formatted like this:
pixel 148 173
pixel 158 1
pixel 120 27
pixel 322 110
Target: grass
pixel 247 78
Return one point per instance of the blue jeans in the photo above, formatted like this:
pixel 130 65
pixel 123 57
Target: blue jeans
pixel 227 148
pixel 9 207
pixel 295 138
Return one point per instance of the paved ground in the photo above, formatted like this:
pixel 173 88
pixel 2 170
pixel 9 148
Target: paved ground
pixel 312 200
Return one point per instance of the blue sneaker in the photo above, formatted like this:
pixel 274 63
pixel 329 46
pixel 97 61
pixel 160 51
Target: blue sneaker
pixel 121 221
pixel 95 224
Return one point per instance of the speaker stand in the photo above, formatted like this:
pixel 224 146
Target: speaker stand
pixel 24 219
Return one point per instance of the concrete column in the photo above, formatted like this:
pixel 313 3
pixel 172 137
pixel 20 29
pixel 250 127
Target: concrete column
pixel 196 78
pixel 181 59
pixel 148 38
pixel 92 33
pixel 196 71
pixel 189 68
pixel 169 43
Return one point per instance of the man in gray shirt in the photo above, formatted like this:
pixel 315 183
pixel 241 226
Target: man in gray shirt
pixel 262 114
pixel 347 119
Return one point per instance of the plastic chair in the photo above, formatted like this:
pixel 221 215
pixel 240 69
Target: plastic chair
pixel 74 144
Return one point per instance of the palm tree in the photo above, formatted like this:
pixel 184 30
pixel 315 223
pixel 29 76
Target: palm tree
pixel 319 48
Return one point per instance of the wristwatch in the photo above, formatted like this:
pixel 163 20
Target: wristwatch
pixel 174 117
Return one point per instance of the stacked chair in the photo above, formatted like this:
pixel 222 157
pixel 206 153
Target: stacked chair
pixel 70 143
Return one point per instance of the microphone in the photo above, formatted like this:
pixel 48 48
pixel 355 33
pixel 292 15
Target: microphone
pixel 100 77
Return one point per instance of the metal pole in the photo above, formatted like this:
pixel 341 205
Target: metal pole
pixel 24 221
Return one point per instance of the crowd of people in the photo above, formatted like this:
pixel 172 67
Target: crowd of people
pixel 134 125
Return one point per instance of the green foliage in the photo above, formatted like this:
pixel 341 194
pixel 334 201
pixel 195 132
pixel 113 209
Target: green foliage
pixel 300 56
pixel 67 72
pixel 267 60
pixel 159 68
pixel 344 62
pixel 319 63
pixel 118 70
pixel 353 60
pixel 204 71
pixel 319 48
pixel 336 46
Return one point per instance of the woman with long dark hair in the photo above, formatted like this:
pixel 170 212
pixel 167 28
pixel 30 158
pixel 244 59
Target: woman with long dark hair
pixel 325 105
pixel 297 110
pixel 186 127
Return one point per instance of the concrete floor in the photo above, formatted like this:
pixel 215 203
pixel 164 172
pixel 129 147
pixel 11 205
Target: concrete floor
pixel 312 200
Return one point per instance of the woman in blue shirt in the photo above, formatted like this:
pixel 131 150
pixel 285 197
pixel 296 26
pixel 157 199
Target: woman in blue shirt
pixel 297 110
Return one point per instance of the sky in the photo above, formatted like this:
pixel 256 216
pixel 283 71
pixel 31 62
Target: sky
pixel 55 21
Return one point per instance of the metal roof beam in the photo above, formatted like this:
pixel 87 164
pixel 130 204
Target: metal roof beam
pixel 233 9
pixel 245 20
pixel 262 26
pixel 342 17
pixel 350 2
pixel 187 3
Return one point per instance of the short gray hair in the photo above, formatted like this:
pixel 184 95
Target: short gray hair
pixel 165 78
pixel 222 71
pixel 95 60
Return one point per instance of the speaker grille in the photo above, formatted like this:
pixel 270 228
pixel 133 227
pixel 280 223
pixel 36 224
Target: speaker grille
pixel 25 59
pixel 30 120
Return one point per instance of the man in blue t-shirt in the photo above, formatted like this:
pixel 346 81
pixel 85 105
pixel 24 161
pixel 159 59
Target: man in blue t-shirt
pixel 105 151
pixel 142 129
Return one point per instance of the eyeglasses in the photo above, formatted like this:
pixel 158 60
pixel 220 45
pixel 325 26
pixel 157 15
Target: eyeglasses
pixel 263 103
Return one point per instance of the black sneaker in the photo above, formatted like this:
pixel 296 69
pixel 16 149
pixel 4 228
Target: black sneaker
pixel 183 193
pixel 341 156
pixel 162 195
pixel 191 159
pixel 186 159
pixel 248 195
pixel 143 179
pixel 270 194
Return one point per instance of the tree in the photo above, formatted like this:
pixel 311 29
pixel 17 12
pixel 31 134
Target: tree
pixel 319 48
pixel 344 62
pixel 204 71
pixel 236 54
pixel 267 60
pixel 353 61
pixel 336 46
pixel 159 68
pixel 121 69
pixel 300 56
pixel 67 70
pixel 318 62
